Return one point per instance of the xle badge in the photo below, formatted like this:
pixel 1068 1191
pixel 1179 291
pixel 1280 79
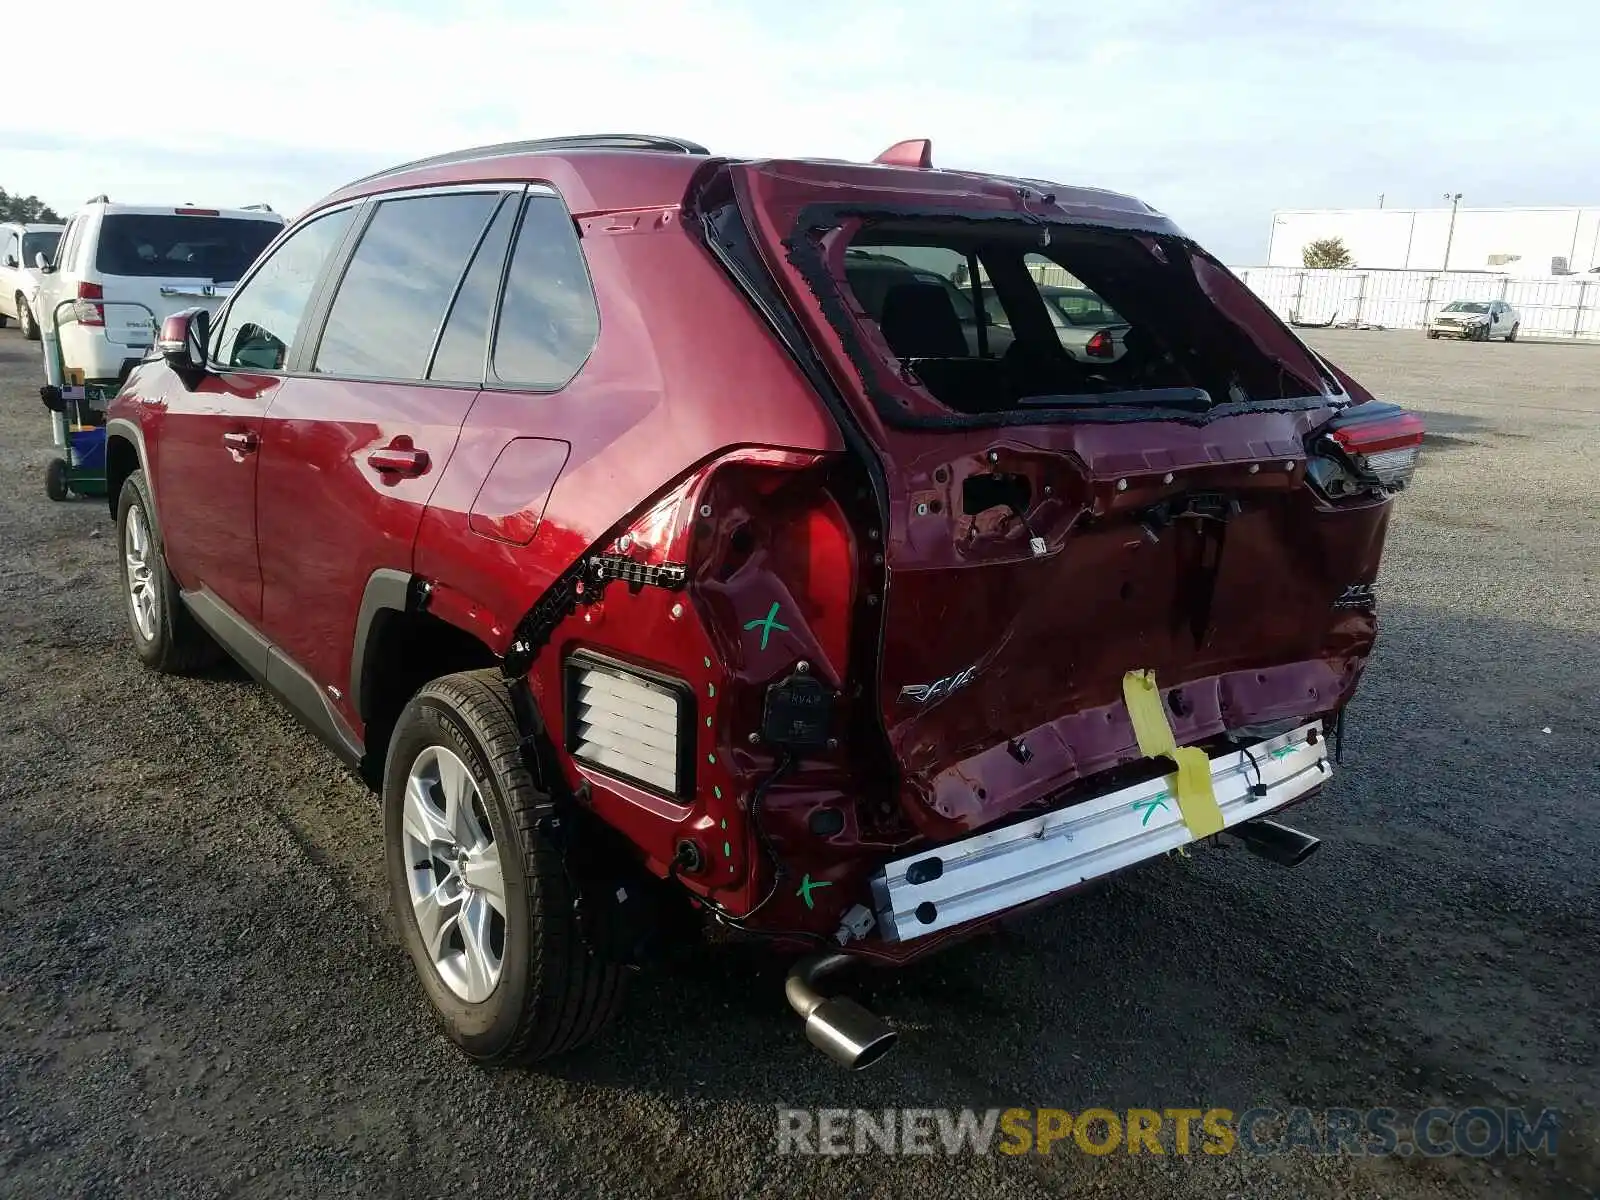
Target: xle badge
pixel 1358 595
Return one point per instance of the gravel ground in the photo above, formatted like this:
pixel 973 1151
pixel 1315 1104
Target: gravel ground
pixel 201 993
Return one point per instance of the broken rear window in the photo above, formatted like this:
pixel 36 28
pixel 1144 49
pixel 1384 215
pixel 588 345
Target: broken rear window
pixel 999 316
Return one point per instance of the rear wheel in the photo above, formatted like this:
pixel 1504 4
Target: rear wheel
pixel 165 634
pixel 482 898
pixel 55 480
pixel 1512 336
pixel 30 327
pixel 1433 335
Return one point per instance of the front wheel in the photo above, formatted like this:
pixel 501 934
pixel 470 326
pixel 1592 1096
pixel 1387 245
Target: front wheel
pixel 1433 335
pixel 483 899
pixel 30 327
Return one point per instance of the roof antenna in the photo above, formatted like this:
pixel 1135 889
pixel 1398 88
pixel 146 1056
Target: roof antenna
pixel 914 152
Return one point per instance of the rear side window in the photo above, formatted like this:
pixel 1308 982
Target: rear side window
pixel 548 318
pixel 399 284
pixel 156 246
pixel 263 319
pixel 464 346
pixel 68 250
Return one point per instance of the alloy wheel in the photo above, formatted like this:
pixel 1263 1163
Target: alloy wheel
pixel 142 598
pixel 453 874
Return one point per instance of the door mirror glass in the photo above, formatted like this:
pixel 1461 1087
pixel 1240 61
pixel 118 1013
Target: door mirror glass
pixel 43 263
pixel 183 341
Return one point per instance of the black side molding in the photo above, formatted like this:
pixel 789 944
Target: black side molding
pixel 386 588
pixel 277 672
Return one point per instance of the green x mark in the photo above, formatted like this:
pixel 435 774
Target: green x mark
pixel 1159 800
pixel 807 886
pixel 767 624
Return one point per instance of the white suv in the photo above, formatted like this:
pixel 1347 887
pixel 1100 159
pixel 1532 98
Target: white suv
pixel 166 259
pixel 20 247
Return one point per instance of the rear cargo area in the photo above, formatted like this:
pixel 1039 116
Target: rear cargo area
pixel 1068 501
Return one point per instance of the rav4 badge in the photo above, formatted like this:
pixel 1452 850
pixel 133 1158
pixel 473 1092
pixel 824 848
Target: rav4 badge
pixel 923 693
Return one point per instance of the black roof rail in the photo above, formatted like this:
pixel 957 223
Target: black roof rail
pixel 579 141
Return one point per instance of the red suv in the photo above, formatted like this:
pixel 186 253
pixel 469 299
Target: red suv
pixel 660 576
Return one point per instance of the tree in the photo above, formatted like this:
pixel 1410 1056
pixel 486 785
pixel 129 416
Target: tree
pixel 26 208
pixel 1328 253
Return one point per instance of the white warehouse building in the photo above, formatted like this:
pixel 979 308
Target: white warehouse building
pixel 1522 242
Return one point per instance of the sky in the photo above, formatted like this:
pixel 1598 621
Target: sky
pixel 1217 112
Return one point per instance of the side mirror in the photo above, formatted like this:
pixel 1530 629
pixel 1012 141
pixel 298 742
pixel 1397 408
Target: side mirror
pixel 11 260
pixel 182 341
pixel 43 263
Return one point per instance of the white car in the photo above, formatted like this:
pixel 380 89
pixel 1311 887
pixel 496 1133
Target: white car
pixel 166 259
pixel 1476 320
pixel 20 247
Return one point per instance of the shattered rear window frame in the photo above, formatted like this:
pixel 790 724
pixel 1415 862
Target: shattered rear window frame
pixel 804 253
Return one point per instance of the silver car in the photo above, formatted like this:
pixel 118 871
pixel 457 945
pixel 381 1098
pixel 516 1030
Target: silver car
pixel 1476 321
pixel 1090 330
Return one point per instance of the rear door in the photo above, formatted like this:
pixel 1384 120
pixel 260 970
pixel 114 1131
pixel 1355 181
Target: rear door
pixel 1054 525
pixel 356 440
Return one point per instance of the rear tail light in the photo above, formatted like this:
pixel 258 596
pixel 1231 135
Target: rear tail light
pixel 1372 446
pixel 197 212
pixel 87 313
pixel 1101 345
pixel 764 557
pixel 630 723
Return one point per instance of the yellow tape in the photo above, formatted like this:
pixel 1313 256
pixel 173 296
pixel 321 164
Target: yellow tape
pixel 1192 784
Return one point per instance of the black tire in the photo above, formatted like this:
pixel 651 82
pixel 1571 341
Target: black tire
pixel 3 320
pixel 1512 336
pixel 177 645
pixel 55 479
pixel 30 327
pixel 1433 335
pixel 553 994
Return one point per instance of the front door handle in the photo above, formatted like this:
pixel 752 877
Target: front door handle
pixel 399 460
pixel 241 444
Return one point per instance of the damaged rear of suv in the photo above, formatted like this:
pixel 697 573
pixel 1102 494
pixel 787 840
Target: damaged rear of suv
pixel 826 592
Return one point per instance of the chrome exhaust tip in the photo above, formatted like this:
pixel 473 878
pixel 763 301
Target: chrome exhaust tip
pixel 838 1026
pixel 1276 843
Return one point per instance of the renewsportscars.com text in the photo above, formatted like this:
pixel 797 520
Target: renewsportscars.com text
pixel 1433 1132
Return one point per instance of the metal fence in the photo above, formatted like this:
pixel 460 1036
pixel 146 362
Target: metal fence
pixel 1550 308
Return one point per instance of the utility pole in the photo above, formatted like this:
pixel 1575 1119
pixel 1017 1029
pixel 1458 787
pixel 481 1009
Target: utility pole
pixel 1450 237
pixel 1380 199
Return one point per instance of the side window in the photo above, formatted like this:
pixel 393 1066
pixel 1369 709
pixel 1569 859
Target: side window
pixel 549 321
pixel 67 250
pixel 263 319
pixel 464 346
pixel 398 286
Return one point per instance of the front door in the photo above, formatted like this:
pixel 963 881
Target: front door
pixel 356 440
pixel 207 439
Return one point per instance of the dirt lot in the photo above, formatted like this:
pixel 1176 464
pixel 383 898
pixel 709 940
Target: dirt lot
pixel 200 994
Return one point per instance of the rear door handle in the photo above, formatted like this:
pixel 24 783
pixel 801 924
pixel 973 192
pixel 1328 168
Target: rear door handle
pixel 241 443
pixel 398 460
